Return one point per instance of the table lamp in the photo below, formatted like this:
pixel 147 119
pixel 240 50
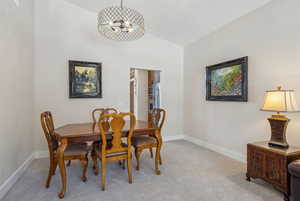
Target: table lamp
pixel 279 101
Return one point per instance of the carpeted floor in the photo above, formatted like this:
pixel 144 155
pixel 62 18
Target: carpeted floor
pixel 189 173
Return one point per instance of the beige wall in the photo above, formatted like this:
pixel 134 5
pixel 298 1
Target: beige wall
pixel 65 31
pixel 16 85
pixel 270 37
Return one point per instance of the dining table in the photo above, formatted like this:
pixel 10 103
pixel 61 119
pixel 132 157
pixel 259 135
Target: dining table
pixel 89 132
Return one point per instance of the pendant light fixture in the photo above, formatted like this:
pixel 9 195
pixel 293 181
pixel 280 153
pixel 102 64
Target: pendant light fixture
pixel 121 23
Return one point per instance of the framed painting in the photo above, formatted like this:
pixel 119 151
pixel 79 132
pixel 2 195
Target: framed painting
pixel 228 81
pixel 85 79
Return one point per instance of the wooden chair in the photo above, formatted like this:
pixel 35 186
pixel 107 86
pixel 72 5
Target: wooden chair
pixel 116 150
pixel 72 152
pixel 96 114
pixel 149 141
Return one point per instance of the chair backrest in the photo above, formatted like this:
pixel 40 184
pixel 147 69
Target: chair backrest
pixel 116 123
pixel 48 128
pixel 97 113
pixel 158 117
pixel 110 110
pixel 105 123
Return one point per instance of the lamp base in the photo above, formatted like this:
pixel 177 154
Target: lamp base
pixel 278 144
pixel 278 131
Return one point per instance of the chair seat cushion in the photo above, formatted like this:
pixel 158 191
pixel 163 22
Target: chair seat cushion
pixel 138 141
pixel 294 168
pixel 97 143
pixel 114 154
pixel 75 149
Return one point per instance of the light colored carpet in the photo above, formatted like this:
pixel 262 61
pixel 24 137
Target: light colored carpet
pixel 189 173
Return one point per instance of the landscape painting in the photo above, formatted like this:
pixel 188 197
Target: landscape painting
pixel 228 81
pixel 85 79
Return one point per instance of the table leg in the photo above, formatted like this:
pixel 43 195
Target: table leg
pixel 63 145
pixel 157 154
pixel 248 178
pixel 286 197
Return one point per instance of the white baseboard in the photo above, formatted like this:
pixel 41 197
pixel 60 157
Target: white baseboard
pixel 172 138
pixel 6 186
pixel 41 154
pixel 218 149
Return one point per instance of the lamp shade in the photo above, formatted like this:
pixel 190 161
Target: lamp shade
pixel 280 101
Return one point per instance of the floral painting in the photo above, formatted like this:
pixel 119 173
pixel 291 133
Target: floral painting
pixel 228 81
pixel 85 79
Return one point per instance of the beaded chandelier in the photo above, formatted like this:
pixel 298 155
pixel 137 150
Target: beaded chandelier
pixel 121 23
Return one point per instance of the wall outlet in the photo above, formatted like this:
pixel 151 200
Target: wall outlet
pixel 17 2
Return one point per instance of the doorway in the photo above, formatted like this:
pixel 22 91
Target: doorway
pixel 145 92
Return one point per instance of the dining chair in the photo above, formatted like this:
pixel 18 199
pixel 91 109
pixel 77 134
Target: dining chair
pixel 115 150
pixel 96 114
pixel 78 151
pixel 142 142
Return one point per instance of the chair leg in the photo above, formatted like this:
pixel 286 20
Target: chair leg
pixel 160 160
pixel 157 158
pixel 69 163
pixel 50 173
pixel 137 156
pixel 151 152
pixel 55 163
pixel 93 156
pixel 103 173
pixel 95 162
pixel 129 169
pixel 84 163
pixel 123 164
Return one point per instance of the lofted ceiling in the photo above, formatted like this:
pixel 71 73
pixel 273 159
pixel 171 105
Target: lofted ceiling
pixel 181 21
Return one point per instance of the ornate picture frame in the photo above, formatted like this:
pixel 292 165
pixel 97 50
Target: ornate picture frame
pixel 228 81
pixel 85 79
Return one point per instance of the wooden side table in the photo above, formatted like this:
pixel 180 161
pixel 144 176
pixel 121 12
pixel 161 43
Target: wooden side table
pixel 271 164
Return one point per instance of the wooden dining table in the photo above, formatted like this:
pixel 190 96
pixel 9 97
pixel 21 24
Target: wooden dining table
pixel 89 132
